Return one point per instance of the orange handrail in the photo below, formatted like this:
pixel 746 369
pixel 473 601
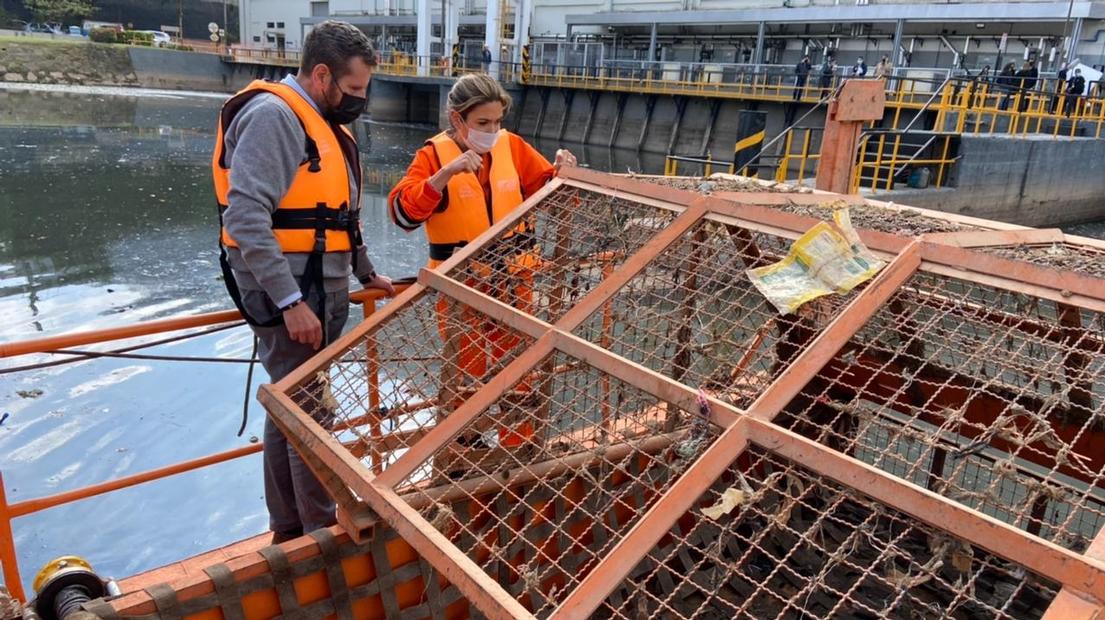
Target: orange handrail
pixel 51 343
pixel 39 504
pixel 8 557
pixel 76 339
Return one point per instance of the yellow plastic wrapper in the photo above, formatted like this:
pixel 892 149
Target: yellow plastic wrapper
pixel 827 259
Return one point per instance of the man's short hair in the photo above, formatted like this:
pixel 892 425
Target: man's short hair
pixel 334 44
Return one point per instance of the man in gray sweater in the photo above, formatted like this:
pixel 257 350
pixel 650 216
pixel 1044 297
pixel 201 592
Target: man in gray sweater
pixel 288 178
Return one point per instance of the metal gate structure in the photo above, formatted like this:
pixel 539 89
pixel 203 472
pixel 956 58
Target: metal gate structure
pixel 591 412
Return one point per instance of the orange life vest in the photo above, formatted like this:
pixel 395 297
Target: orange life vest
pixel 315 214
pixel 469 212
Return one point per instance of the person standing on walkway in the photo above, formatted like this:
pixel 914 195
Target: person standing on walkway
pixel 1007 83
pixel 486 59
pixel 1076 87
pixel 860 68
pixel 828 68
pixel 882 69
pixel 1060 88
pixel 1026 82
pixel 801 76
pixel 462 182
pixel 288 182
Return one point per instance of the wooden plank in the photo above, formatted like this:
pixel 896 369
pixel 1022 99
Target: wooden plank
pixel 628 185
pixel 1018 276
pixel 985 238
pixel 779 199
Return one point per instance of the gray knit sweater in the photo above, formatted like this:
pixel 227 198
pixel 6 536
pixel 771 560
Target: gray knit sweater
pixel 264 148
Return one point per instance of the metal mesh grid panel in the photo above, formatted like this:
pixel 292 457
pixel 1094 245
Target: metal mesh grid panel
pixel 797 545
pixel 693 315
pixel 1084 259
pixel 988 397
pixel 536 495
pixel 571 241
pixel 382 394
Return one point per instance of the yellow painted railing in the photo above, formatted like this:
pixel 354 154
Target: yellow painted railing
pixel 882 160
pixel 963 105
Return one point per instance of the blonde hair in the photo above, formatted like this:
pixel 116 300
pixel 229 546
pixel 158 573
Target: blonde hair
pixel 476 89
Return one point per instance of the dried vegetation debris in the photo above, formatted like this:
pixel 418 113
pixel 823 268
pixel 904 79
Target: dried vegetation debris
pixel 1082 259
pixel 723 183
pixel 897 221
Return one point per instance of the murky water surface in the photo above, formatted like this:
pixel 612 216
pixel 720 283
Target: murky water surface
pixel 107 217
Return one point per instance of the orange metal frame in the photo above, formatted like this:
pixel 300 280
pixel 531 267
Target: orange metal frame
pixel 1081 576
pixel 8 511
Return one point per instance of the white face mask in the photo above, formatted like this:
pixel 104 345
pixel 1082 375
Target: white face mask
pixel 481 141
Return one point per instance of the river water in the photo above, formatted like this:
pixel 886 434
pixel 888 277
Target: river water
pixel 107 218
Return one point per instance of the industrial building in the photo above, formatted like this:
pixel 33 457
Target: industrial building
pixel 585 33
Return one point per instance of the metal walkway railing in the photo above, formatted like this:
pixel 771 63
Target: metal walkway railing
pixel 9 565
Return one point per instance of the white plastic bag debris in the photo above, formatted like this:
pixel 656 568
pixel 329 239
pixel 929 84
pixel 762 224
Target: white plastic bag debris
pixel 730 499
pixel 827 259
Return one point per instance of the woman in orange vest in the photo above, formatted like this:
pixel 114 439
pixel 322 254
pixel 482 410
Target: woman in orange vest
pixel 462 182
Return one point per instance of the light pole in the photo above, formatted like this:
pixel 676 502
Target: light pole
pixel 1067 53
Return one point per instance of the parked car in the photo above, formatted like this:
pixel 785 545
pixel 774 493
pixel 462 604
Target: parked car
pixel 75 31
pixel 44 28
pixel 160 38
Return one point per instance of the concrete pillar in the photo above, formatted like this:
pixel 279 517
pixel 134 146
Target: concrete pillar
pixel 896 57
pixel 493 29
pixel 243 22
pixel 521 28
pixel 652 44
pixel 758 53
pixel 422 14
pixel 1075 35
pixel 450 26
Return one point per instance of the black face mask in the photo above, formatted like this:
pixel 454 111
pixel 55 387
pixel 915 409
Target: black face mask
pixel 348 109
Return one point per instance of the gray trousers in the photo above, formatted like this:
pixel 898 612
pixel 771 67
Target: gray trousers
pixel 297 502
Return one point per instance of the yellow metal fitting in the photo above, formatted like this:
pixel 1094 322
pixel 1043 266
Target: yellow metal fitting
pixel 59 566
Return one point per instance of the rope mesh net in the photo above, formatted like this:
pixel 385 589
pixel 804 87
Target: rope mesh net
pixel 566 430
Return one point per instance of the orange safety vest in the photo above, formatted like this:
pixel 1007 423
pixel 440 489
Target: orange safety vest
pixel 315 215
pixel 468 212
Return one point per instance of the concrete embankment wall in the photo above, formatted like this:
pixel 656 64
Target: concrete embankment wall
pixel 47 61
pixel 171 69
pixel 1028 180
pixel 79 62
